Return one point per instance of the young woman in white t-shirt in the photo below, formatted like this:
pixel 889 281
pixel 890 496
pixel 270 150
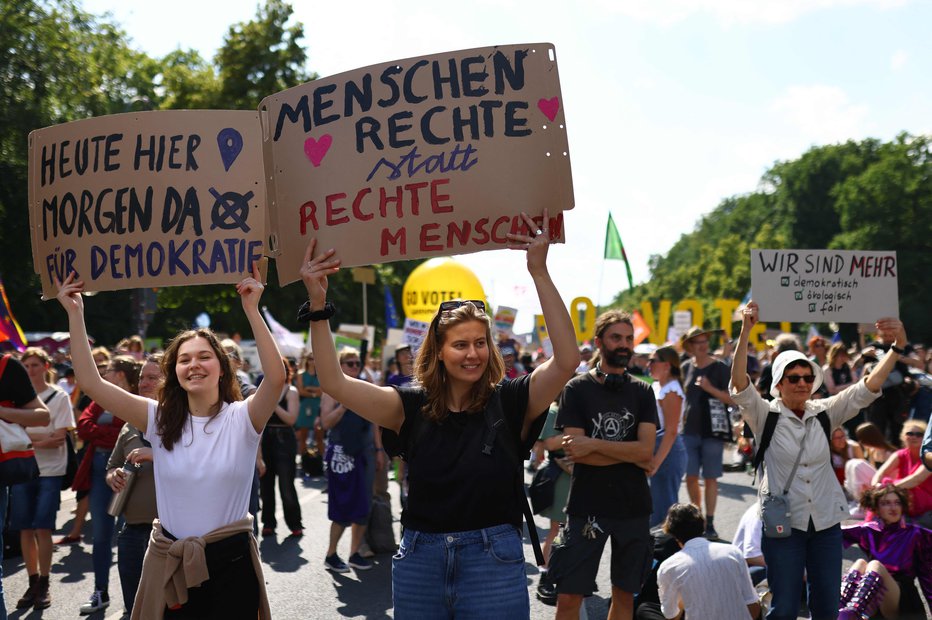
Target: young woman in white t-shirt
pixel 204 441
pixel 668 466
pixel 35 503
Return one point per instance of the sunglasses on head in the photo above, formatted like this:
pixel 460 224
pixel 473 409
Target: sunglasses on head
pixel 794 379
pixel 352 363
pixel 453 304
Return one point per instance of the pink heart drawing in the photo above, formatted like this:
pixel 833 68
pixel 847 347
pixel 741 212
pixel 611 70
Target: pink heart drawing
pixel 549 107
pixel 317 149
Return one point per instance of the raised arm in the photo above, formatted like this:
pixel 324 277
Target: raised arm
pixel 263 401
pixel 132 408
pixel 880 372
pixel 380 405
pixel 549 378
pixel 739 364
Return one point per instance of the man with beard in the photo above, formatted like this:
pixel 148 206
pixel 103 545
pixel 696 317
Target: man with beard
pixel 609 421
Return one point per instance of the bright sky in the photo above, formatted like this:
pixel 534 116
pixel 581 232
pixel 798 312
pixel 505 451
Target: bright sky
pixel 671 105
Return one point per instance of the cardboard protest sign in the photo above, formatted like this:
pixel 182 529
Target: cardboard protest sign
pixel 147 199
pixel 420 157
pixel 819 286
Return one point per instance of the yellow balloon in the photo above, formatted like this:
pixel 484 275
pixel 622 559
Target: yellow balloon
pixel 437 280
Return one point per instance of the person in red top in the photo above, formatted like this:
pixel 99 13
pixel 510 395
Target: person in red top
pixel 99 429
pixel 904 468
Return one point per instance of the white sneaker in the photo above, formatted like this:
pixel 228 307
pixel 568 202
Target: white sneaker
pixel 99 600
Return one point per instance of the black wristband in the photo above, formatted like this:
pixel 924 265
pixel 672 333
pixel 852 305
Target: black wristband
pixel 897 350
pixel 305 315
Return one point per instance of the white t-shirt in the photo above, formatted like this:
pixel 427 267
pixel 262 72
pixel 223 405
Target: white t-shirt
pixel 749 532
pixel 662 390
pixel 711 579
pixel 204 482
pixel 53 461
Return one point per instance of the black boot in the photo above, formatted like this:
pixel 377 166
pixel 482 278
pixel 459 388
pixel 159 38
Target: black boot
pixel 546 590
pixel 43 598
pixel 29 599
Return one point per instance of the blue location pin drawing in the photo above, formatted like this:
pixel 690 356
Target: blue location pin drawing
pixel 230 143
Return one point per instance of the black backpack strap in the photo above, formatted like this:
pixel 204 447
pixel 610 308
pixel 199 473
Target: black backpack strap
pixel 495 421
pixel 765 438
pixel 826 426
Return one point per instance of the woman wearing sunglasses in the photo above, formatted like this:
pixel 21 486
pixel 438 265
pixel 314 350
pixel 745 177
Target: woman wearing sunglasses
pixel 905 469
pixel 799 449
pixel 349 488
pixel 461 554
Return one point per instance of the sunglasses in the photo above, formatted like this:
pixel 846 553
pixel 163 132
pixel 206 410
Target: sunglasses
pixel 453 304
pixel 794 379
pixel 913 433
pixel 352 363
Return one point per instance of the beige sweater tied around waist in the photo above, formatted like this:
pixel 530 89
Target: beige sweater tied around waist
pixel 173 566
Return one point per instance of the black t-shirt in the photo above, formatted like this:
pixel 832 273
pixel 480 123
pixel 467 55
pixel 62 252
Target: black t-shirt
pixel 15 386
pixel 452 485
pixel 696 420
pixel 618 490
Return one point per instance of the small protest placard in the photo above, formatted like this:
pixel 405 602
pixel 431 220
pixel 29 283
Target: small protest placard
pixel 505 320
pixel 147 199
pixel 818 286
pixel 428 156
pixel 414 333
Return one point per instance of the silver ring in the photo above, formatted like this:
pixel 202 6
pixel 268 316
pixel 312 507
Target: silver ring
pixel 538 233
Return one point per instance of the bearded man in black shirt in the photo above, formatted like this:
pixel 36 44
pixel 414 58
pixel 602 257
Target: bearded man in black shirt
pixel 609 421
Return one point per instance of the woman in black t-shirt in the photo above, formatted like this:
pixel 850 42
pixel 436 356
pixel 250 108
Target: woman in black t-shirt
pixel 461 553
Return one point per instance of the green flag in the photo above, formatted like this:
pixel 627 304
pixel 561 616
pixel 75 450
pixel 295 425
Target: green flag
pixel 614 250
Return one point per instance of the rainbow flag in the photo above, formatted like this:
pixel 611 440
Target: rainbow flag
pixel 9 328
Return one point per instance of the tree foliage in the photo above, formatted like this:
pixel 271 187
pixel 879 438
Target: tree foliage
pixel 866 195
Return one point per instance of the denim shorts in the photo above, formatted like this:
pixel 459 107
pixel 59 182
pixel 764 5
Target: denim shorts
pixel 706 453
pixel 34 504
pixel 477 574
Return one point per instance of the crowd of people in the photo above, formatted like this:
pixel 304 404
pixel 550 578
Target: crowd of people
pixel 187 455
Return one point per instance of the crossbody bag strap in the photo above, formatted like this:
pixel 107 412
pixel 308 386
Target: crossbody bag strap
pixel 495 421
pixel 799 456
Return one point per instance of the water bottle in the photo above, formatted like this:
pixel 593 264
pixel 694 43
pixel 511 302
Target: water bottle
pixel 118 501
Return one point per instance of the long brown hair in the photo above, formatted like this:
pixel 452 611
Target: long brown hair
pixel 430 373
pixel 173 399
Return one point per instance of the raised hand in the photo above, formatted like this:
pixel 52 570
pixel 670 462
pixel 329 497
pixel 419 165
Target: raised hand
pixel 69 293
pixel 536 243
pixel 314 272
pixel 250 289
pixel 892 330
pixel 749 316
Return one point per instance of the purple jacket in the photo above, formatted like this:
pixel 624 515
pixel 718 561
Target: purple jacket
pixel 904 549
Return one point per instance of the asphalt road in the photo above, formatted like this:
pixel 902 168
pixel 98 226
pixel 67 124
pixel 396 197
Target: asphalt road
pixel 297 583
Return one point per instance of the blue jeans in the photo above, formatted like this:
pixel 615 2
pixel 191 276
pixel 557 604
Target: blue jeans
pixel 279 449
pixel 815 554
pixel 4 502
pixel 102 554
pixel 132 543
pixel 665 484
pixel 478 574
